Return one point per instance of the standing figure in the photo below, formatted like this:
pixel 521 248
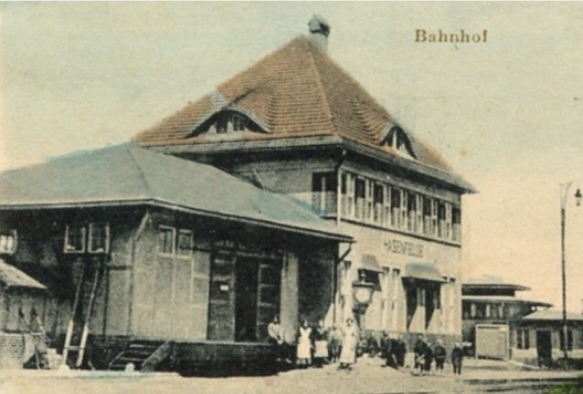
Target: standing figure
pixel 428 357
pixel 304 345
pixel 349 343
pixel 419 351
pixel 275 337
pixel 400 351
pixel 372 346
pixel 387 351
pixel 457 356
pixel 320 341
pixel 334 343
pixel 440 354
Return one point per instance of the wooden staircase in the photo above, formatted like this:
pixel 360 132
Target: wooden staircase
pixel 144 355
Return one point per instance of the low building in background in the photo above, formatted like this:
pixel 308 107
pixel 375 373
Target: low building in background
pixel 540 337
pixel 492 315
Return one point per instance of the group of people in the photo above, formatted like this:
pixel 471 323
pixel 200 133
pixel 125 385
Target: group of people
pixel 425 353
pixel 318 345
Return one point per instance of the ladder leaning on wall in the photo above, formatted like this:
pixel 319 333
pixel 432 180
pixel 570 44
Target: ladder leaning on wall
pixel 86 310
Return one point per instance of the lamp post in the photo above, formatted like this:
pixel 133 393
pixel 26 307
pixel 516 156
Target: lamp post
pixel 578 197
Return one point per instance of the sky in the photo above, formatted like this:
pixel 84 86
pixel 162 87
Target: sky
pixel 507 114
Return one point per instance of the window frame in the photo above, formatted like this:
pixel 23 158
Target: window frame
pixel 172 230
pixel 8 242
pixel 66 243
pixel 190 233
pixel 90 228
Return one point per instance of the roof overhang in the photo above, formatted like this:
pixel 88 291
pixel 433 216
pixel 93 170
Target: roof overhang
pixel 330 235
pixel 369 262
pixel 275 143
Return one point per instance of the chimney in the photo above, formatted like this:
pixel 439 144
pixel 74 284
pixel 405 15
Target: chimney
pixel 319 30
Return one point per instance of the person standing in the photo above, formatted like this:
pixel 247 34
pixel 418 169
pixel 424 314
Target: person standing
pixel 334 343
pixel 387 352
pixel 440 354
pixel 400 351
pixel 275 337
pixel 349 343
pixel 304 345
pixel 320 341
pixel 428 357
pixel 419 351
pixel 457 356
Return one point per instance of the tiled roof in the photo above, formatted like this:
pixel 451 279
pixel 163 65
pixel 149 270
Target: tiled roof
pixel 126 174
pixel 12 277
pixel 297 91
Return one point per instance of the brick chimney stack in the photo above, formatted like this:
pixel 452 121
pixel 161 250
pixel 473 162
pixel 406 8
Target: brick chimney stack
pixel 319 30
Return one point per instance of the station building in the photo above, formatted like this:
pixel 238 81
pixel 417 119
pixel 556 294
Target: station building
pixel 297 123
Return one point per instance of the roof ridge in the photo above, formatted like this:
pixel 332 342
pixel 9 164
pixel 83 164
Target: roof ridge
pixel 143 176
pixel 320 85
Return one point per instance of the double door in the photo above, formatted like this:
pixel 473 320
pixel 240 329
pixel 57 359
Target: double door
pixel 244 296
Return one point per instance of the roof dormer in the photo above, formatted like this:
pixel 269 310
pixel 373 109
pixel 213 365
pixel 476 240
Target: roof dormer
pixel 228 121
pixel 397 139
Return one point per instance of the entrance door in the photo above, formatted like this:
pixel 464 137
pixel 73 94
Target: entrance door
pixel 544 347
pixel 246 281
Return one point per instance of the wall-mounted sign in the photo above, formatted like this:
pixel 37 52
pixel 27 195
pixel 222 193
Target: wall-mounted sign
pixel 397 246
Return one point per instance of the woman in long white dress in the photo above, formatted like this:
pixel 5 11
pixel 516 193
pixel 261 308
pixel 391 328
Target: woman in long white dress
pixel 349 343
pixel 304 352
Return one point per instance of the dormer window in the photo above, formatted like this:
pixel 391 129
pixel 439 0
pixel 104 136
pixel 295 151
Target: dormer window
pixel 226 122
pixel 398 140
pixel 8 242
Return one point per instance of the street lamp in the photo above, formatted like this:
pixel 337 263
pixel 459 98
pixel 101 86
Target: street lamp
pixel 578 197
pixel 362 292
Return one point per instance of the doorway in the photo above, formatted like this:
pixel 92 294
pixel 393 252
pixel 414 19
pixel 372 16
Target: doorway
pixel 246 284
pixel 544 348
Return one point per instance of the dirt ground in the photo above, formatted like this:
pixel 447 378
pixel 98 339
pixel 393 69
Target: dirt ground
pixel 367 377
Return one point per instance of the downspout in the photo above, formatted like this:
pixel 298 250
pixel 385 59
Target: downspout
pixel 134 241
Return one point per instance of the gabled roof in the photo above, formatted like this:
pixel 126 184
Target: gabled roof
pixel 129 175
pixel 12 277
pixel 297 91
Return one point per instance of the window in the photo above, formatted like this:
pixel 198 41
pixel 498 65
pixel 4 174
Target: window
pixel 368 214
pixel 378 200
pixel 412 212
pixel 397 139
pixel 473 310
pixel 395 207
pixel 348 194
pixel 441 219
pixel 184 243
pixel 75 238
pixel 569 339
pixel 421 294
pixel 522 339
pixel 239 122
pixel 8 242
pixel 456 223
pixel 166 240
pixel 98 237
pixel 427 224
pixel 324 192
pixel 359 195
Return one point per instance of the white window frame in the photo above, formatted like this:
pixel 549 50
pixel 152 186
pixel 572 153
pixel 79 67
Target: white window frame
pixel 191 243
pixel 173 248
pixel 66 248
pixel 8 242
pixel 90 237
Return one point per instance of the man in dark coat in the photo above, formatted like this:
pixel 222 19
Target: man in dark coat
pixel 387 351
pixel 439 353
pixel 428 357
pixel 419 351
pixel 457 356
pixel 400 350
